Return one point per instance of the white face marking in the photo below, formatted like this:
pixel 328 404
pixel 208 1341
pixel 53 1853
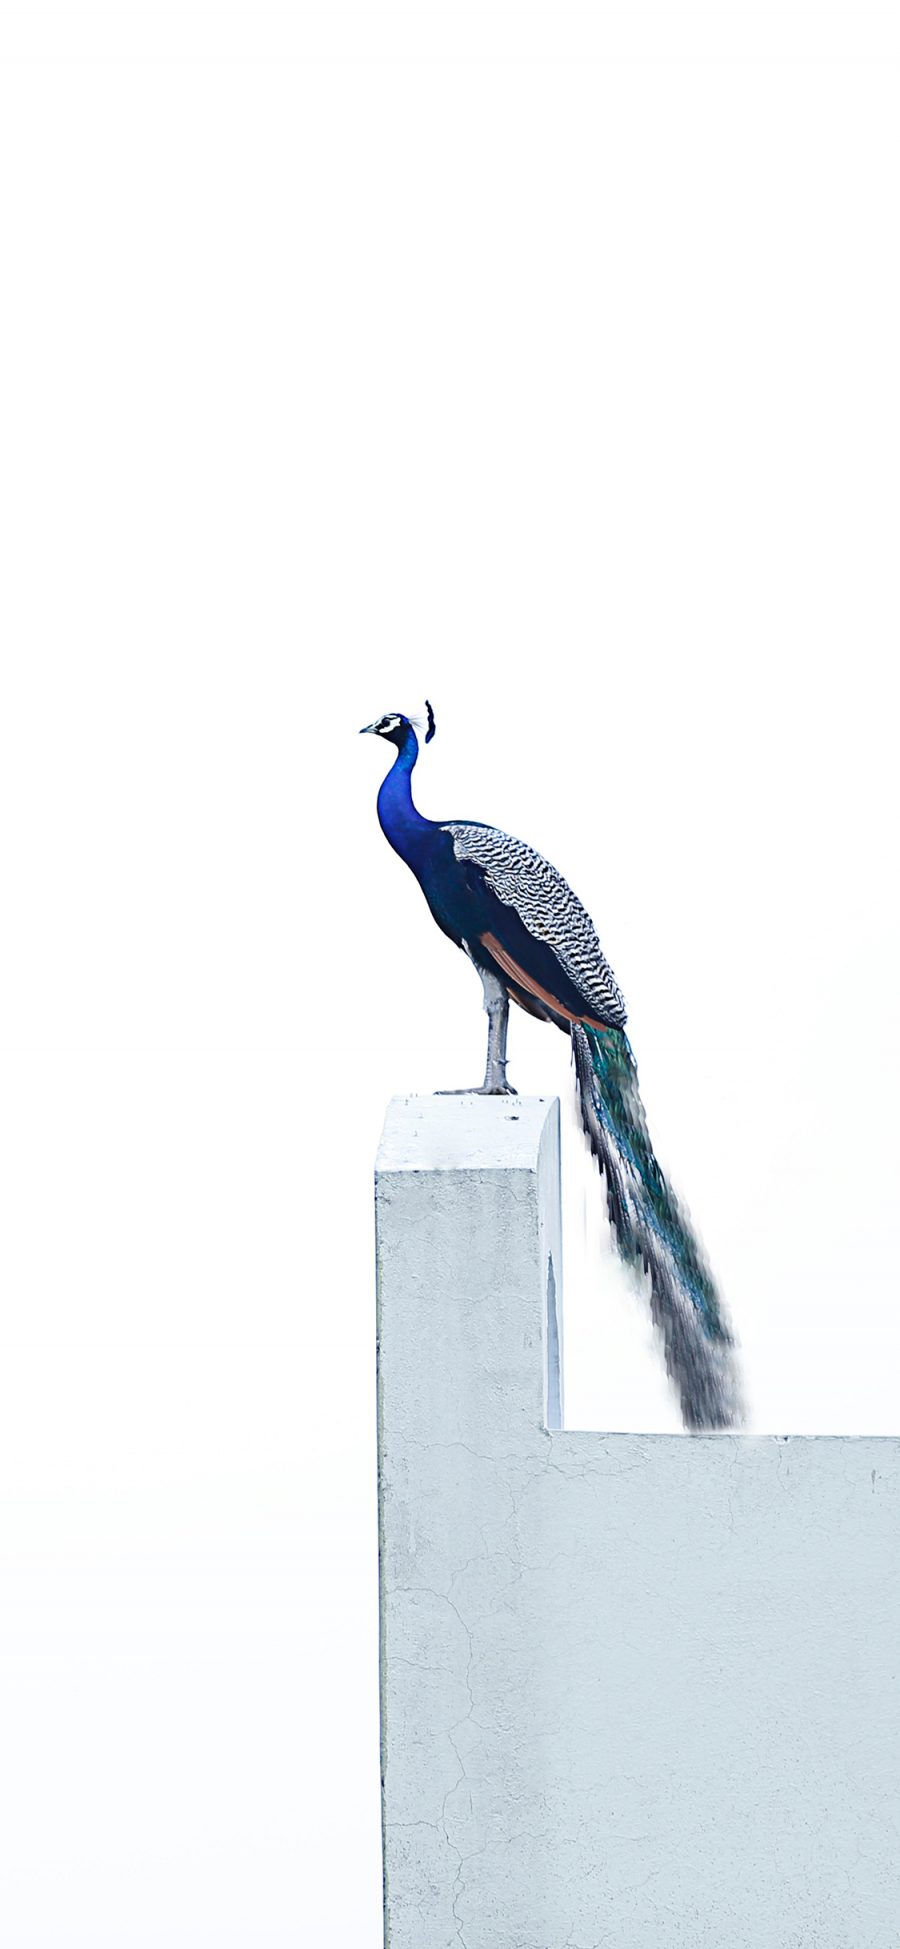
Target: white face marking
pixel 386 724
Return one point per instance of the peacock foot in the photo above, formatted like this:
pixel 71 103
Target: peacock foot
pixel 481 1089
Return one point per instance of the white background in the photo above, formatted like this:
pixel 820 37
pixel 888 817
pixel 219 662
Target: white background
pixel 543 362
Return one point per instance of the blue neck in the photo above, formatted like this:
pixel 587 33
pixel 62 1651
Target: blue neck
pixel 403 827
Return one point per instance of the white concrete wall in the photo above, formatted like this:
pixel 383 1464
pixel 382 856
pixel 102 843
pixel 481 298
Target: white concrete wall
pixel 637 1690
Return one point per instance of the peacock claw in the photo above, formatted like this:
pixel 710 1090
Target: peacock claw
pixel 481 1089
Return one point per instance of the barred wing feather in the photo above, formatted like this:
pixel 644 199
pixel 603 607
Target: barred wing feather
pixel 523 880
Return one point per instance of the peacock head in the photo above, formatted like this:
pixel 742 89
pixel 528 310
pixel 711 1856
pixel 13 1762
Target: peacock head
pixel 396 728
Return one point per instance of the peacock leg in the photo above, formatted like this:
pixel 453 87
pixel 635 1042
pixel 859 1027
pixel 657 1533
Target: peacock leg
pixel 496 1002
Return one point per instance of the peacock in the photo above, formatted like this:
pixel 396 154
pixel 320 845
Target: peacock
pixel 531 940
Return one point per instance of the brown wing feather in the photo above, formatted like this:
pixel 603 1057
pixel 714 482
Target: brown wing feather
pixel 532 987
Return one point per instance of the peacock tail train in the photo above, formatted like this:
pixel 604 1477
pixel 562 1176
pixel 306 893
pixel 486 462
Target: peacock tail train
pixel 653 1233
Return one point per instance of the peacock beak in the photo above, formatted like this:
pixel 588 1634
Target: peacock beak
pixel 367 727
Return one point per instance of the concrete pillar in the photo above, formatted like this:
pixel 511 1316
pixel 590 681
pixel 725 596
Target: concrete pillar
pixel 636 1690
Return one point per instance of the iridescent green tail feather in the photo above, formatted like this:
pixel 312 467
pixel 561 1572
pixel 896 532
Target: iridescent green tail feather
pixel 653 1232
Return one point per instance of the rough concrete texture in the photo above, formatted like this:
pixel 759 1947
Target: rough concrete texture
pixel 638 1690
